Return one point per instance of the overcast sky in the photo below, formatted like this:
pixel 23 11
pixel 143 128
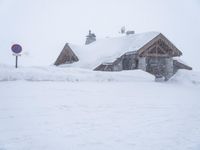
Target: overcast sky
pixel 42 27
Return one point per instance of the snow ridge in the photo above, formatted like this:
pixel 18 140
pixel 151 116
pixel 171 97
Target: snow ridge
pixel 53 73
pixel 68 74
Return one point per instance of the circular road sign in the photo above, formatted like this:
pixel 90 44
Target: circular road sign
pixel 16 48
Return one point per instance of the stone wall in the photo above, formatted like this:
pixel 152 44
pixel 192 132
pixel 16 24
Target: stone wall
pixel 142 63
pixel 169 67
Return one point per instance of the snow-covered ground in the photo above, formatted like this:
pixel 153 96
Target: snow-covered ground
pixel 76 109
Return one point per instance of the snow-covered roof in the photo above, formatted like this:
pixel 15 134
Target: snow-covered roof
pixel 107 50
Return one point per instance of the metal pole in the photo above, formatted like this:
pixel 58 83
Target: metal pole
pixel 16 61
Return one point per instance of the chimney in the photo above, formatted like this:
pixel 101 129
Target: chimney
pixel 91 37
pixel 130 32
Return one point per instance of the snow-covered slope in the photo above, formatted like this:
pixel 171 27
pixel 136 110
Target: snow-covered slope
pixel 107 50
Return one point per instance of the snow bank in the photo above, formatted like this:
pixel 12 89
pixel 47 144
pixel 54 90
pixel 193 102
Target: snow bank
pixel 70 74
pixel 186 77
pixel 52 73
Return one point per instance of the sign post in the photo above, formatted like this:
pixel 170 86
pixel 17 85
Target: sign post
pixel 16 49
pixel 16 62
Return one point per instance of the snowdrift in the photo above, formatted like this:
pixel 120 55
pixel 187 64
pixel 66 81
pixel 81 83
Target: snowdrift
pixel 70 74
pixel 186 77
pixel 52 73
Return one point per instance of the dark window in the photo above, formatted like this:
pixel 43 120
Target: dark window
pixel 126 64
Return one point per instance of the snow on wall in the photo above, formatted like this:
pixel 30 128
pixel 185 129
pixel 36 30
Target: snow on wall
pixel 107 50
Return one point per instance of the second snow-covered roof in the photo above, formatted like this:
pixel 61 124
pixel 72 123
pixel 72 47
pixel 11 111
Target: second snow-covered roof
pixel 107 50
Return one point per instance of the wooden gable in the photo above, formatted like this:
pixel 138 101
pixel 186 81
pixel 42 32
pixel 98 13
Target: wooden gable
pixel 67 56
pixel 160 46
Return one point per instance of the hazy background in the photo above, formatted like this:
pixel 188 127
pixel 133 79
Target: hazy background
pixel 42 27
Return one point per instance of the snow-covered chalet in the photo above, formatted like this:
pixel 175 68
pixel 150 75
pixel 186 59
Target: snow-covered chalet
pixel 151 52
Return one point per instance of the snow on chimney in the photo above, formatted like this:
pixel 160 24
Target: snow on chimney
pixel 91 37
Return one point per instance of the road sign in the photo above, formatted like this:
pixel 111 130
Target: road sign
pixel 16 48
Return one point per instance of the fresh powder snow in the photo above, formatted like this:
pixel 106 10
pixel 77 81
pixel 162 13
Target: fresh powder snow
pixel 99 116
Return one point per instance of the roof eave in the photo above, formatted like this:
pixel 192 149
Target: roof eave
pixel 160 36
